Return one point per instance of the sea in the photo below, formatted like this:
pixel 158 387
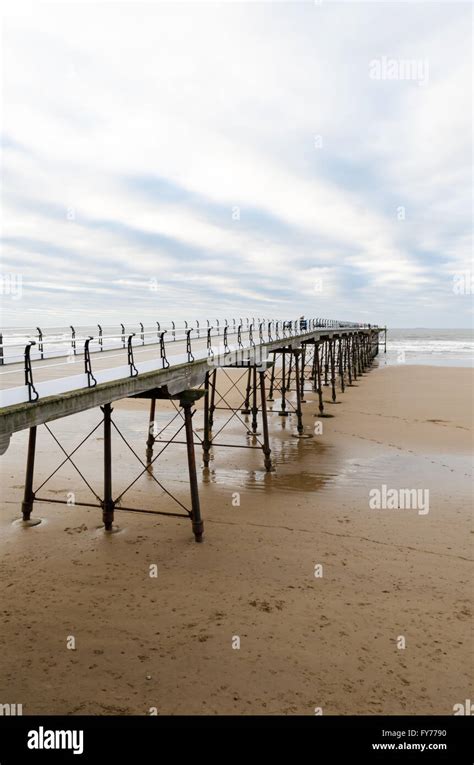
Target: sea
pixel 434 347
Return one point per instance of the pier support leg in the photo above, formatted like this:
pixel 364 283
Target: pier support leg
pixel 283 412
pixel 266 440
pixel 313 368
pixel 246 409
pixel 354 357
pixel 332 351
pixel 206 444
pixel 151 439
pixel 317 378
pixel 341 365
pixel 29 497
pixel 212 406
pixel 299 413
pixel 302 373
pixel 198 526
pixel 347 357
pixel 254 401
pixel 108 504
pixel 290 368
pixel 272 379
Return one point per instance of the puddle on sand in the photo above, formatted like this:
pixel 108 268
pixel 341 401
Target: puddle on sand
pixel 261 481
pixel 405 470
pixel 302 465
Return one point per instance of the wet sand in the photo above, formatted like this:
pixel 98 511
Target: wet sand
pixel 166 643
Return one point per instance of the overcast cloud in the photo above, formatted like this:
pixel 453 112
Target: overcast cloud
pixel 223 159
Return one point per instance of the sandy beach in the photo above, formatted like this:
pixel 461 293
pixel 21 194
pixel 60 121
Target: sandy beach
pixel 329 642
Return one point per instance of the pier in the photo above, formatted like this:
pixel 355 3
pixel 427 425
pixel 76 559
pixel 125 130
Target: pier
pixel 279 360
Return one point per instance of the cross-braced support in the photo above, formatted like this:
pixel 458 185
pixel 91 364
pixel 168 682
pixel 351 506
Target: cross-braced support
pixel 289 369
pixel 107 503
pixel 254 404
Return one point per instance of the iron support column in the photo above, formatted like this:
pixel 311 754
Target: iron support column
pixel 29 497
pixel 108 504
pixel 198 526
pixel 266 440
pixel 151 438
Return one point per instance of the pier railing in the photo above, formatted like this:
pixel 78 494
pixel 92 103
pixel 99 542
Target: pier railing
pixel 54 342
pixel 177 344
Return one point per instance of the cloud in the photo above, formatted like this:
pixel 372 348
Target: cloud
pixel 164 160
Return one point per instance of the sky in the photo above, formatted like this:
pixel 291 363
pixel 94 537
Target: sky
pixel 193 160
